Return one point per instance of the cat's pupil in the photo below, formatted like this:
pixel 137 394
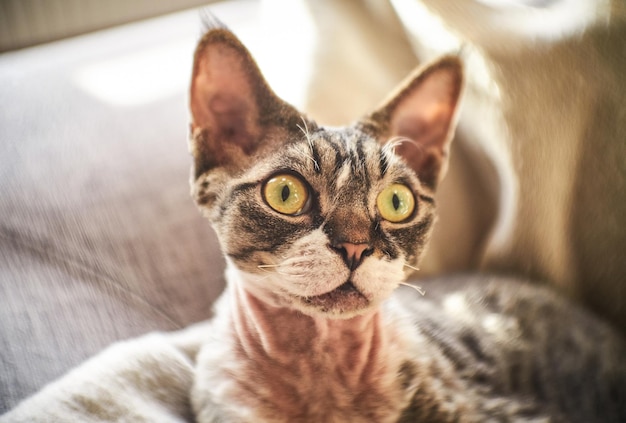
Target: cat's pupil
pixel 284 194
pixel 395 201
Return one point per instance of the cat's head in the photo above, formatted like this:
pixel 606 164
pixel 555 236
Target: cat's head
pixel 324 220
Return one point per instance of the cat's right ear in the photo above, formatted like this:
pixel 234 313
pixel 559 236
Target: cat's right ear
pixel 234 112
pixel 419 118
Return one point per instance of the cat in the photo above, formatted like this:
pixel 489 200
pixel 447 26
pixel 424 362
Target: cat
pixel 321 227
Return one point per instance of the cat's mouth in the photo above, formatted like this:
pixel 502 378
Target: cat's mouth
pixel 344 298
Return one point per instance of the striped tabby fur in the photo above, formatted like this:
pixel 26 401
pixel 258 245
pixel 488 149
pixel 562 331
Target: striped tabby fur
pixel 309 328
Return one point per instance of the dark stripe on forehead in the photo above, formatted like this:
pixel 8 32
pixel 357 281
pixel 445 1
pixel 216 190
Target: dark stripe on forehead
pixel 357 157
pixel 339 155
pixel 383 162
pixel 354 159
pixel 360 155
pixel 363 162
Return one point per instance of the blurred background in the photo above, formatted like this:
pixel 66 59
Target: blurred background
pixel 100 241
pixel 144 48
pixel 30 22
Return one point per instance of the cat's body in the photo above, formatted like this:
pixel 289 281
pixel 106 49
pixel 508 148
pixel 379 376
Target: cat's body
pixel 472 349
pixel 320 228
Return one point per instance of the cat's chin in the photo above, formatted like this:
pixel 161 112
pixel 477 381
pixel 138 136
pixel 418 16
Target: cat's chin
pixel 342 302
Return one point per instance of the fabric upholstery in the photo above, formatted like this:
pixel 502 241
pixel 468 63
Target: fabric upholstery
pixel 99 238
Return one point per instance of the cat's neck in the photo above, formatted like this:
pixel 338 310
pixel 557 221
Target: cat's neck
pixel 284 334
pixel 305 361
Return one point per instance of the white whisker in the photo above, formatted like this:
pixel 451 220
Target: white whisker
pixel 412 267
pixel 415 287
pixel 268 268
pixel 305 131
pixel 396 141
pixel 317 166
pixel 265 278
pixel 389 150
pixel 272 268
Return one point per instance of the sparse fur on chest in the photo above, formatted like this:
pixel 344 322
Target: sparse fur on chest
pixel 278 365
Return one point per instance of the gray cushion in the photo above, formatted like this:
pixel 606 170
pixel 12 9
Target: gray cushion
pixel 99 238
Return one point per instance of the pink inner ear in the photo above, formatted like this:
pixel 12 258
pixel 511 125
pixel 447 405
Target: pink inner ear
pixel 222 99
pixel 234 111
pixel 425 115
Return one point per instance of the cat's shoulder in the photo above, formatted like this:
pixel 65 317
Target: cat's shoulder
pixel 466 298
pixel 511 341
pixel 505 310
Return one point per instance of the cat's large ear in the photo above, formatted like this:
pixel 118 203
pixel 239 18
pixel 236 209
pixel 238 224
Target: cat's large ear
pixel 234 112
pixel 420 117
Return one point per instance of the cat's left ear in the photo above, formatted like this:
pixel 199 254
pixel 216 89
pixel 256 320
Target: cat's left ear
pixel 420 117
pixel 235 114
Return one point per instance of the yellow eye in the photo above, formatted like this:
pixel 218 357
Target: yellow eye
pixel 396 203
pixel 286 194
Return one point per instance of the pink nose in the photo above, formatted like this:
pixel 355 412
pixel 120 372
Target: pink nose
pixel 352 254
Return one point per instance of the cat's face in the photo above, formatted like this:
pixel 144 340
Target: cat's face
pixel 326 221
